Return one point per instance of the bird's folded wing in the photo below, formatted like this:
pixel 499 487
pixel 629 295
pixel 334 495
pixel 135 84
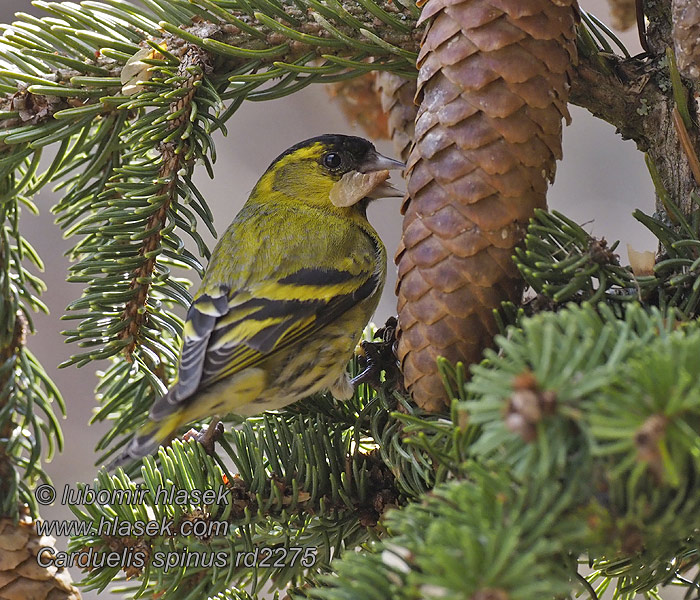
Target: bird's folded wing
pixel 236 329
pixel 279 314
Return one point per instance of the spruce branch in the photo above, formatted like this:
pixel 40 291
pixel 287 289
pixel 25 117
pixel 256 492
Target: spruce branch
pixel 174 159
pixel 319 475
pixel 558 405
pixel 302 483
pixel 484 536
pixel 245 38
pixel 7 353
pixel 563 262
pixel 26 392
pixel 234 594
pixel 631 423
pixel 528 397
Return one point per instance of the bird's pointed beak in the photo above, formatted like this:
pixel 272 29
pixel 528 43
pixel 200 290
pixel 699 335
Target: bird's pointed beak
pixel 379 162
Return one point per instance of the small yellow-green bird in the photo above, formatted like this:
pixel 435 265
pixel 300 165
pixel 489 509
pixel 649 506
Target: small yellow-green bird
pixel 288 290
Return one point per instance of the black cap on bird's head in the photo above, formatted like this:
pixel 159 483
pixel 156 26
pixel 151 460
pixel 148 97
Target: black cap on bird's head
pixel 352 162
pixel 352 152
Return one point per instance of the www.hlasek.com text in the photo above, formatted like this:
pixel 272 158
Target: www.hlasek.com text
pixel 200 528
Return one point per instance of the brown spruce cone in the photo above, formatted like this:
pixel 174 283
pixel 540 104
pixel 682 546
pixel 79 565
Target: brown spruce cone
pixel 623 13
pixel 358 100
pixel 21 576
pixel 686 37
pixel 397 96
pixel 493 85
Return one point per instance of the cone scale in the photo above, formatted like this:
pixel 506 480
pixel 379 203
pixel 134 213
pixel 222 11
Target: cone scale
pixel 492 90
pixel 24 575
pixel 397 95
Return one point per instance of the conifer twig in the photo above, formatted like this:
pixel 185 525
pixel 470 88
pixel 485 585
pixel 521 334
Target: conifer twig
pixel 16 341
pixel 241 37
pixel 172 164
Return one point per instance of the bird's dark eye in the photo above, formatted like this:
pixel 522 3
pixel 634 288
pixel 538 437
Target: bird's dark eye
pixel 332 160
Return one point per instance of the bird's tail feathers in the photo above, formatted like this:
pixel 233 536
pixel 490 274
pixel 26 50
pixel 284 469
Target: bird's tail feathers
pixel 147 440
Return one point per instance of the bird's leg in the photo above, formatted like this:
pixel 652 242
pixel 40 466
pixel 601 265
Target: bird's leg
pixel 208 436
pixel 379 356
pixel 213 432
pixel 370 374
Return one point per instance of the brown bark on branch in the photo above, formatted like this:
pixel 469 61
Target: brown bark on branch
pixel 635 95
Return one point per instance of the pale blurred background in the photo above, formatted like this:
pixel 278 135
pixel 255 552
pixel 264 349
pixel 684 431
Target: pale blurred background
pixel 600 182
